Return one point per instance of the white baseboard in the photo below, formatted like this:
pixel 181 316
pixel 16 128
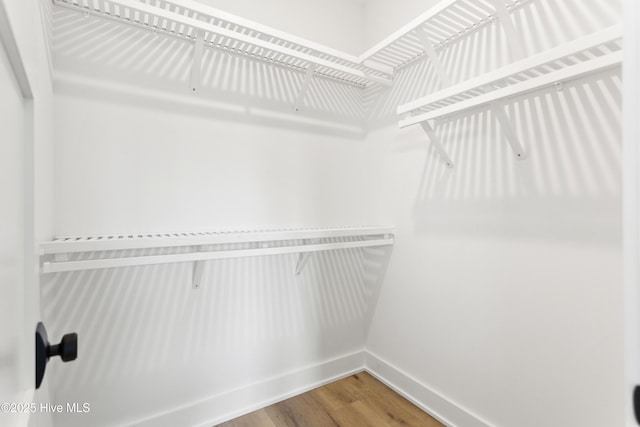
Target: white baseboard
pixel 430 401
pixel 207 412
pixel 226 406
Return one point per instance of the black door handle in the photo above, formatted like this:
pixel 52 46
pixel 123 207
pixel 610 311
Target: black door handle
pixel 67 350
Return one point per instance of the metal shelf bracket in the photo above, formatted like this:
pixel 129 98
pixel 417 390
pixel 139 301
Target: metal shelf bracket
pixel 433 57
pixel 303 257
pixel 505 123
pixel 498 110
pixel 302 261
pixel 198 271
pixel 197 61
pixel 514 39
pixel 297 105
pixel 435 141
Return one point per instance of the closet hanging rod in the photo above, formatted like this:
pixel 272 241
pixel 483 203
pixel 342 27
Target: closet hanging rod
pixel 127 10
pixel 571 48
pixel 65 266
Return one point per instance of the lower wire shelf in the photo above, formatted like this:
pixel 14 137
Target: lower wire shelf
pixel 204 246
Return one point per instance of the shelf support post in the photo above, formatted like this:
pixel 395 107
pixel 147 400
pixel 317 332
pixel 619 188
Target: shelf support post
pixel 197 61
pixel 514 39
pixel 435 141
pixel 297 105
pixel 430 51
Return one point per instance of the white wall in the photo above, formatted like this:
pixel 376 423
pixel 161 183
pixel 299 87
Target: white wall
pixel 631 194
pixel 335 23
pixel 160 170
pixel 504 290
pixel 382 17
pixel 148 342
pixel 151 345
pixel 136 151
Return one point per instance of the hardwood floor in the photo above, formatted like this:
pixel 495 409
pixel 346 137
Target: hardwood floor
pixel 358 400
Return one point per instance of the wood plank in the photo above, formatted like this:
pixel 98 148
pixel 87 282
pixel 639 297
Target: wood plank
pixel 358 400
pixel 340 393
pixel 257 418
pixel 300 411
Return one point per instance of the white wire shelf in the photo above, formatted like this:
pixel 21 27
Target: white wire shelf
pixel 204 246
pixel 442 24
pixel 581 57
pixel 438 26
pixel 220 30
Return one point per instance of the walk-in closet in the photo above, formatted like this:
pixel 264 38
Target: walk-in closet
pixel 319 213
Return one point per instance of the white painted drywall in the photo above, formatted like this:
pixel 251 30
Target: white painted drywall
pixel 137 151
pixel 631 77
pixel 127 168
pixel 504 291
pixel 149 342
pixel 382 17
pixel 335 23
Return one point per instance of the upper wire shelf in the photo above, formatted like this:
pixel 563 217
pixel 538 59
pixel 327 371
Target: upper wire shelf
pixel 442 24
pixel 580 57
pixel 445 22
pixel 192 20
